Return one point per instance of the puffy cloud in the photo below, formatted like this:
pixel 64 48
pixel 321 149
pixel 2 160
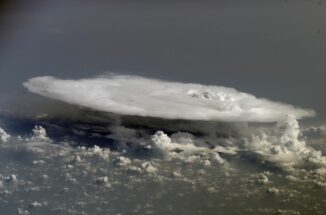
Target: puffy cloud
pixel 103 181
pixel 148 167
pixel 314 132
pixel 193 167
pixel 96 151
pixel 11 179
pixel 39 133
pixel 3 136
pixel 282 146
pixel 139 96
pixel 185 147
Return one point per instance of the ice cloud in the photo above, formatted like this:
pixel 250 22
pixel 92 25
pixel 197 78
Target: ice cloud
pixel 139 96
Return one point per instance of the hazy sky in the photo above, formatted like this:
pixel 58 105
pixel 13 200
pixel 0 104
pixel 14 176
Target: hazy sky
pixel 274 49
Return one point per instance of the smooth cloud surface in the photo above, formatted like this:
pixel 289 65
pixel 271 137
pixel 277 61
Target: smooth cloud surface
pixel 139 96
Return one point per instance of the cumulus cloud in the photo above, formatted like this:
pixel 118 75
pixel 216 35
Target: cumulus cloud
pixel 139 96
pixel 196 163
pixel 282 146
pixel 3 136
pixel 39 133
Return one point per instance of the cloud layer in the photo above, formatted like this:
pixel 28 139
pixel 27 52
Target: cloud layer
pixel 139 96
pixel 129 139
pixel 59 177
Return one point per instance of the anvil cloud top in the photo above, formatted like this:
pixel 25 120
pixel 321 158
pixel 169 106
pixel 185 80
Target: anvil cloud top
pixel 134 95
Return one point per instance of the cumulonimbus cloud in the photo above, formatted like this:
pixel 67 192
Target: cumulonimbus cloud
pixel 139 96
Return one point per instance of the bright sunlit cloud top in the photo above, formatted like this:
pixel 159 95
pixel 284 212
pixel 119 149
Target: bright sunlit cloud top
pixel 134 95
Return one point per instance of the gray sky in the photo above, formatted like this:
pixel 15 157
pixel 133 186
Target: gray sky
pixel 274 49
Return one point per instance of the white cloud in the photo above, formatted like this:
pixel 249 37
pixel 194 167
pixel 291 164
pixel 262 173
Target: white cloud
pixel 103 181
pixel 89 173
pixel 148 167
pixel 282 146
pixel 188 150
pixel 3 136
pixel 133 95
pixel 39 133
pixel 96 151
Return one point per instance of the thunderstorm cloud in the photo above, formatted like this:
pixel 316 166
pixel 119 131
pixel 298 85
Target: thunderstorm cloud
pixel 139 96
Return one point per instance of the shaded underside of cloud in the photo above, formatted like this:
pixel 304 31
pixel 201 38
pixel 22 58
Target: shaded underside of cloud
pixel 139 96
